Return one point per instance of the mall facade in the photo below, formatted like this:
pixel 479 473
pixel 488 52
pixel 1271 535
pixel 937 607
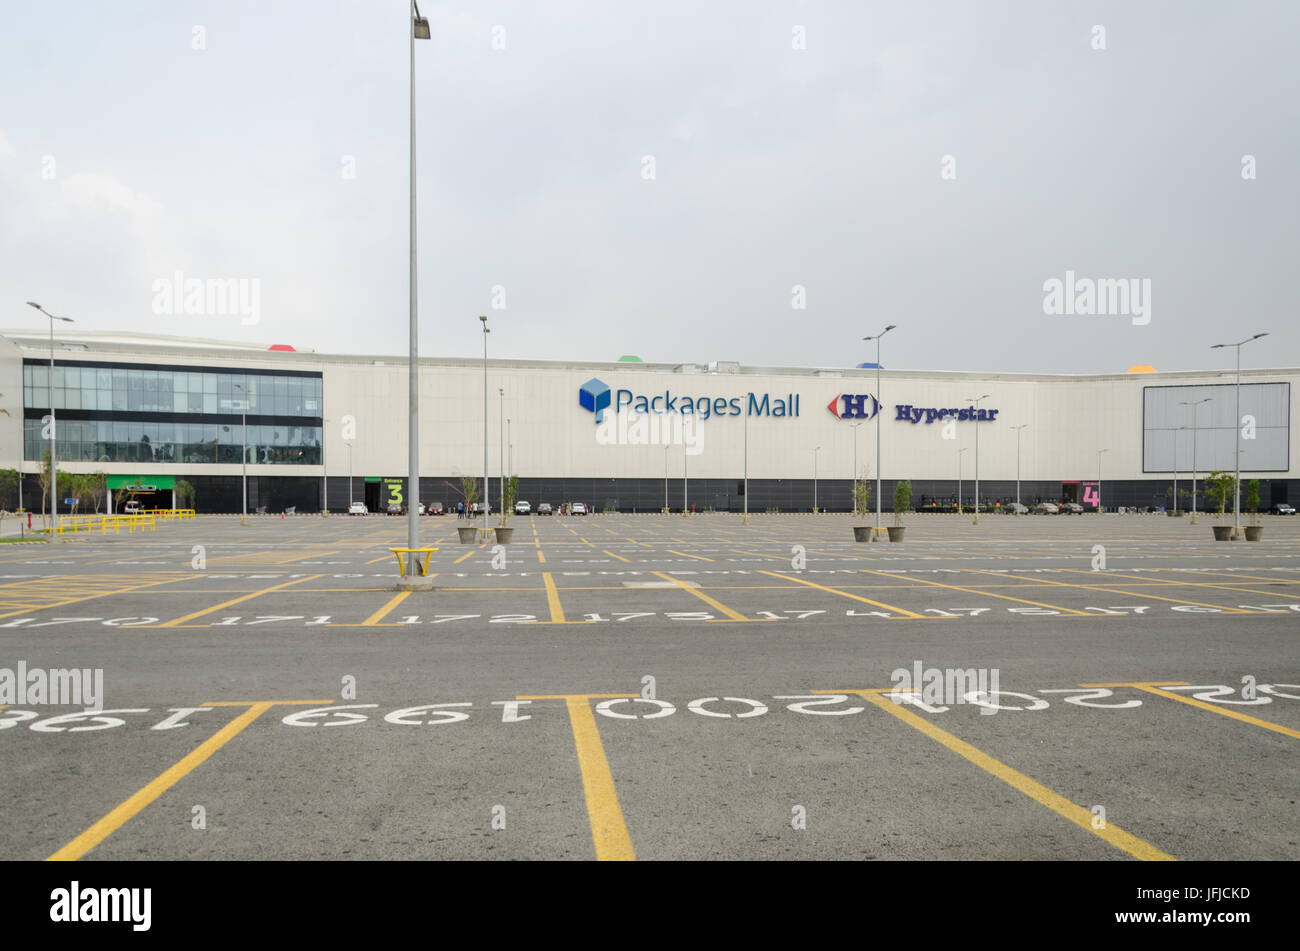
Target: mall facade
pixel 312 429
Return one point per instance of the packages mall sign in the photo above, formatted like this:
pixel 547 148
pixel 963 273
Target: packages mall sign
pixel 596 396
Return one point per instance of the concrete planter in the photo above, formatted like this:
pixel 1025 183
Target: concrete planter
pixel 1254 532
pixel 862 533
pixel 504 535
pixel 1222 533
pixel 896 533
pixel 467 533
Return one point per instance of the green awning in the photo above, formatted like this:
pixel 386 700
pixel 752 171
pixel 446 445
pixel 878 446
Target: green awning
pixel 144 483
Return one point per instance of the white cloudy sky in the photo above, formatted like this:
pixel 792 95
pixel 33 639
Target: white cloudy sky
pixel 775 167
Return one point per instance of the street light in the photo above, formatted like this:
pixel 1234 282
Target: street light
pixel 959 452
pixel 486 484
pixel 243 456
pixel 815 451
pixel 419 31
pixel 350 498
pixel 1017 429
pixel 666 449
pixel 510 450
pixel 853 485
pixel 1196 413
pixel 1236 486
pixel 325 476
pixel 975 403
pixel 745 472
pixel 501 436
pixel 54 436
pixel 1099 452
pixel 876 338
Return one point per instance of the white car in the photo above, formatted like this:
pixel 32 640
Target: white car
pixel 358 508
pixel 523 508
pixel 578 508
pixel 1047 508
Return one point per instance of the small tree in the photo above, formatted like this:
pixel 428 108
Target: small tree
pixel 508 500
pixel 1219 490
pixel 469 491
pixel 184 494
pixel 8 485
pixel 44 476
pixel 861 497
pixel 1252 496
pixel 97 487
pixel 902 499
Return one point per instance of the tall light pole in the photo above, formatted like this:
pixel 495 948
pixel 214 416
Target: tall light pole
pixel 1196 415
pixel 959 452
pixel 54 435
pixel 1236 491
pixel 325 476
pixel 243 456
pixel 486 483
pixel 666 448
pixel 1017 429
pixel 510 450
pixel 686 509
pixel 501 436
pixel 1176 432
pixel 351 499
pixel 1099 452
pixel 879 405
pixel 975 405
pixel 815 451
pixel 853 485
pixel 745 472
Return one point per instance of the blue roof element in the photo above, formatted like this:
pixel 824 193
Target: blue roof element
pixel 870 366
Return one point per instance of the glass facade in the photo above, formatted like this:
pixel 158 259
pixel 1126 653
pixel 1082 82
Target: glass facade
pixel 150 390
pixel 186 416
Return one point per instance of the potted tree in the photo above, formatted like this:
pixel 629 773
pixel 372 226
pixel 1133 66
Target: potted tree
pixel 511 490
pixel 902 503
pixel 469 490
pixel 1218 489
pixel 1253 532
pixel 861 506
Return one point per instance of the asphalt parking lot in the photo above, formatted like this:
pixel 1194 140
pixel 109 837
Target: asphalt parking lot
pixel 659 687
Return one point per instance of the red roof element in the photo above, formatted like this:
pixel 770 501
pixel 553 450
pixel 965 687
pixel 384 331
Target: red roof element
pixel 281 346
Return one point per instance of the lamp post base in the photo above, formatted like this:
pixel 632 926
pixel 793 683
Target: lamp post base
pixel 417 583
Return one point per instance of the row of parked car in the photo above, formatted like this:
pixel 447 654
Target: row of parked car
pixel 476 508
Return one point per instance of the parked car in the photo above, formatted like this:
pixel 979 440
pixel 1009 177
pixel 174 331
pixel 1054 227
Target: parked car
pixel 132 507
pixel 435 508
pixel 358 508
pixel 544 508
pixel 394 508
pixel 420 510
pixel 1015 508
pixel 1071 508
pixel 1046 508
pixel 1282 508
pixel 523 508
pixel 577 508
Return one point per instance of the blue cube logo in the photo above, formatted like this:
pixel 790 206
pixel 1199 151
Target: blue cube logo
pixel 593 396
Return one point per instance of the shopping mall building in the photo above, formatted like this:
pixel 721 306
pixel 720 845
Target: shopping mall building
pixel 624 435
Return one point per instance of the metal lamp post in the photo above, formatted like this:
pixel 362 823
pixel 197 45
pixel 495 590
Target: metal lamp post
pixel 510 450
pixel 325 476
pixel 815 451
pixel 1099 453
pixel 666 449
pixel 243 455
pixel 879 404
pixel 686 455
pixel 1236 486
pixel 853 485
pixel 351 498
pixel 54 434
pixel 501 436
pixel 745 472
pixel 1017 429
pixel 975 405
pixel 1196 415
pixel 959 452
pixel 486 483
pixel 419 31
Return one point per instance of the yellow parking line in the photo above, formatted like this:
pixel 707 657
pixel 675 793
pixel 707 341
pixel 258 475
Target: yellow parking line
pixel 1112 834
pixel 717 605
pixel 1172 582
pixel 464 556
pixel 608 828
pixel 225 604
pixel 987 594
pixel 553 598
pixel 612 555
pixel 684 555
pixel 541 559
pixel 844 594
pixel 380 558
pixel 378 615
pixel 1154 688
pixel 118 817
pixel 1145 594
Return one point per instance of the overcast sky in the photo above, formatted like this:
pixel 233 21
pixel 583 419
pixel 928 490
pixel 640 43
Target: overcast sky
pixel 267 141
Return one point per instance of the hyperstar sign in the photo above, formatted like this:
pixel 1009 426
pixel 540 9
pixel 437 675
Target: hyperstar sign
pixel 855 406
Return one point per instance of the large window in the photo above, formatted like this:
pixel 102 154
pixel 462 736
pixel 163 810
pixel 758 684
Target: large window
pixel 145 390
pixel 184 415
